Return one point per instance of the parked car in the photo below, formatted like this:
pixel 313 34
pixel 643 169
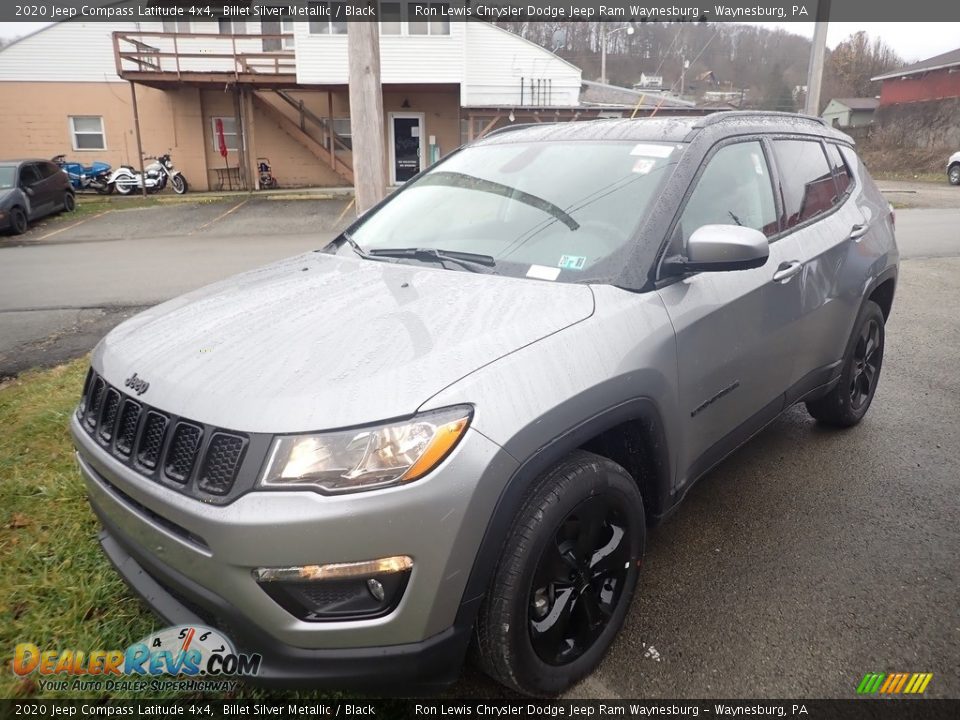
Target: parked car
pixel 32 189
pixel 455 424
pixel 953 169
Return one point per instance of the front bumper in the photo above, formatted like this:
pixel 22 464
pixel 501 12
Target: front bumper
pixel 179 601
pixel 190 560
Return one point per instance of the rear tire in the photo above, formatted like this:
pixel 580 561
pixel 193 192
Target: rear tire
pixel 69 202
pixel 953 174
pixel 848 402
pixel 18 221
pixel 123 188
pixel 565 578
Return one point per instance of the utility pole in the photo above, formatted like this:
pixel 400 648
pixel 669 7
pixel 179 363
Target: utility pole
pixel 136 127
pixel 366 114
pixel 603 53
pixel 817 53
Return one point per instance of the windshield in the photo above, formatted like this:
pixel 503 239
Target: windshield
pixel 8 176
pixel 561 211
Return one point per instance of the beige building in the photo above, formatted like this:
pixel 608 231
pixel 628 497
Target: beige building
pixel 277 90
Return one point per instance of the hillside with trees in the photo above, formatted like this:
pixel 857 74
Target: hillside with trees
pixel 769 65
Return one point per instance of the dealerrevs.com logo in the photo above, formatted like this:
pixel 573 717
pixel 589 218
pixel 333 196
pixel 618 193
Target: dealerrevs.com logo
pixel 188 651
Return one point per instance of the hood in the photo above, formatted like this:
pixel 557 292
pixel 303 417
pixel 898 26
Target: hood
pixel 5 197
pixel 322 341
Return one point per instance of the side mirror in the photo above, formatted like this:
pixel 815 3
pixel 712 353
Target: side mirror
pixel 28 190
pixel 714 248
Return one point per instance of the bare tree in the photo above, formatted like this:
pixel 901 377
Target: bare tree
pixel 853 62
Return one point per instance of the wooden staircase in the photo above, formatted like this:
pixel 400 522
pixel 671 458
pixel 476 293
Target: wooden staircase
pixel 320 139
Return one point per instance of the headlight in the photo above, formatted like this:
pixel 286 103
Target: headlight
pixel 366 458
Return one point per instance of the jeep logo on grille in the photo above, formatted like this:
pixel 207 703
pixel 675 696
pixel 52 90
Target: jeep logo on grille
pixel 138 385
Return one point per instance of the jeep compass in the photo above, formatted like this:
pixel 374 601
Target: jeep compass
pixel 452 427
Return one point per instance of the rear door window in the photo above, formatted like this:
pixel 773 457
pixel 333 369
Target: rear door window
pixel 734 189
pixel 29 175
pixel 48 170
pixel 805 180
pixel 841 172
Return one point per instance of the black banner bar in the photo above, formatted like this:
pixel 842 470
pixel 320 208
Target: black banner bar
pixel 486 10
pixel 853 709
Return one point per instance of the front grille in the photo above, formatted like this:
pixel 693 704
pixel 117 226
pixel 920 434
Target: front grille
pixel 183 452
pixel 151 439
pixel 223 459
pixel 109 418
pixel 147 439
pixel 129 421
pixel 93 403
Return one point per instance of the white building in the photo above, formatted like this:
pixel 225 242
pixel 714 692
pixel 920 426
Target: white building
pixel 276 89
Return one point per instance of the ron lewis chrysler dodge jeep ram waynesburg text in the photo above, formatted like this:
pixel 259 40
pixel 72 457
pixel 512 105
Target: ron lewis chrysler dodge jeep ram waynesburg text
pixel 453 425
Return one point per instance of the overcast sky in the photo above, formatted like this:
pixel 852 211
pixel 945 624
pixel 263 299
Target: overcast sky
pixel 912 40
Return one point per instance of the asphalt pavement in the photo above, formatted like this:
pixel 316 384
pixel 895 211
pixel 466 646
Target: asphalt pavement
pixel 807 559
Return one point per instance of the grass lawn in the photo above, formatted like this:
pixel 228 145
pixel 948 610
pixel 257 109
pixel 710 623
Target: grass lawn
pixel 58 590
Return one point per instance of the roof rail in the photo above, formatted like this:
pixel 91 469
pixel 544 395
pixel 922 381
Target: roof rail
pixel 509 128
pixel 714 118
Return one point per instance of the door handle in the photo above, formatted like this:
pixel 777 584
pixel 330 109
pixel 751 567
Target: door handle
pixel 858 231
pixel 787 270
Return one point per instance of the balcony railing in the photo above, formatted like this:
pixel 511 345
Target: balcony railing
pixel 191 54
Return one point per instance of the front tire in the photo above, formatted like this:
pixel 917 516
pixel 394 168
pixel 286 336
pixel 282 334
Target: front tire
pixel 18 221
pixel 179 184
pixel 565 578
pixel 953 174
pixel 848 402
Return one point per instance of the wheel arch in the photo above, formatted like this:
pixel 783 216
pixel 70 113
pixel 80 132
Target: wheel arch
pixel 609 433
pixel 882 290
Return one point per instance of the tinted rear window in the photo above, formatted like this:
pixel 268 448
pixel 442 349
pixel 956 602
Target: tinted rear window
pixel 805 179
pixel 840 170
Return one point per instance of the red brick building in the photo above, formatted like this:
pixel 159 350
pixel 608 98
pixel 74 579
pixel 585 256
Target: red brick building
pixel 932 79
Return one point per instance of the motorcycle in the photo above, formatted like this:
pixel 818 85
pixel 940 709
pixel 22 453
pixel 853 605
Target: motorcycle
pixel 86 177
pixel 126 179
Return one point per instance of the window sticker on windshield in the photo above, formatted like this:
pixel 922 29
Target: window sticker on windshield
pixel 572 262
pixel 648 150
pixel 644 165
pixel 757 163
pixel 542 272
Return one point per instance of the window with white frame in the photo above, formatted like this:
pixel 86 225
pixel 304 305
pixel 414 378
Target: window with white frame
pixel 287 28
pixel 86 131
pixel 232 27
pixel 176 26
pixel 330 18
pixel 391 18
pixel 403 17
pixel 230 138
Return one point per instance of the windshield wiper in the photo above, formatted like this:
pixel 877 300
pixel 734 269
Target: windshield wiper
pixel 474 262
pixel 354 245
pixel 444 178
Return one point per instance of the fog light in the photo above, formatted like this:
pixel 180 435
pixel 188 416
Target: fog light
pixel 376 589
pixel 338 591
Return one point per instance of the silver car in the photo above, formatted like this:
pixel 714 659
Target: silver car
pixel 453 426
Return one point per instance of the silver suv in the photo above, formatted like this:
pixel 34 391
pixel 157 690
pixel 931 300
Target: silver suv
pixel 454 425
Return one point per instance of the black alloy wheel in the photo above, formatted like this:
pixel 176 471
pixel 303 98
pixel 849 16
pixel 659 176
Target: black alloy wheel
pixel 866 364
pixel 578 580
pixel 848 400
pixel 565 576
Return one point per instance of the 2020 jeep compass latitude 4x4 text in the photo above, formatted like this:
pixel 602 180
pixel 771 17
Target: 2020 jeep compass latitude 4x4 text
pixel 453 426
